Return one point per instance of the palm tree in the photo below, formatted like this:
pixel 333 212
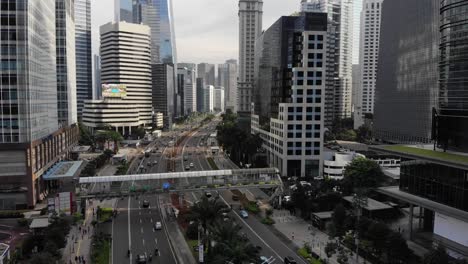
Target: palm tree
pixel 230 245
pixel 116 137
pixel 206 211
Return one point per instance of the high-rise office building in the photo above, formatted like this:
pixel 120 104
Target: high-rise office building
pixel 200 99
pixel 84 74
pixel 407 80
pixel 97 90
pixel 207 72
pixel 250 28
pixel 126 78
pixel 338 92
pixel 124 11
pixel 188 83
pixel 369 57
pixel 158 15
pixel 208 98
pixel 357 8
pixel 290 68
pixel 32 140
pixel 219 99
pixel 66 71
pixel 164 92
pixel 452 114
pixel 227 78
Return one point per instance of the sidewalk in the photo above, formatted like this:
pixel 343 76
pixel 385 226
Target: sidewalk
pixel 300 232
pixel 80 238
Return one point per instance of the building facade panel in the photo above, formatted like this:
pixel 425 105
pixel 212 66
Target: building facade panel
pixel 407 79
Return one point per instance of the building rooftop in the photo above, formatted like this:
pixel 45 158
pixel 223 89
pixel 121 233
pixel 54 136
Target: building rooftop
pixel 39 223
pixel 372 205
pixel 425 153
pixel 323 215
pixel 63 169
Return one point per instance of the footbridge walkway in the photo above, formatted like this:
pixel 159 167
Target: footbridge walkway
pixel 124 185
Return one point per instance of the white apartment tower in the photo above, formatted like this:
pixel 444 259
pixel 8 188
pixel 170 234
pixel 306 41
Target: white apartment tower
pixel 125 62
pixel 339 55
pixel 368 59
pixel 219 99
pixel 250 27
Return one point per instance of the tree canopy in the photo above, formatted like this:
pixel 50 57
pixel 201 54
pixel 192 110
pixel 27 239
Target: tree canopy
pixel 363 174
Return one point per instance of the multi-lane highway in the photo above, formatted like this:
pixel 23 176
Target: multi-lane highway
pixel 134 226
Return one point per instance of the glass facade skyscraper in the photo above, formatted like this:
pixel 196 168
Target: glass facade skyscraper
pixel 407 77
pixel 66 65
pixel 34 77
pixel 84 74
pixel 452 114
pixel 158 15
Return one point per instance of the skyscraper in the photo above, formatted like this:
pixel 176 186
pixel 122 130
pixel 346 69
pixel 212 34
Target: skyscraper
pixel 188 85
pixel 124 11
pixel 250 28
pixel 164 91
pixel 339 55
pixel 66 71
pixel 200 96
pixel 84 75
pixel 219 105
pixel 32 140
pixel 207 72
pixel 290 67
pixel 158 15
pixel 370 37
pixel 227 78
pixel 97 91
pixel 407 79
pixel 452 114
pixel 126 74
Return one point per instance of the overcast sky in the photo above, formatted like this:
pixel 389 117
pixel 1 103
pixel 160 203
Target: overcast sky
pixel 206 30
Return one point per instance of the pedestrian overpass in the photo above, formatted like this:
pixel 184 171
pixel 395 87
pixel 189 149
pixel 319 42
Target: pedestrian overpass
pixel 124 185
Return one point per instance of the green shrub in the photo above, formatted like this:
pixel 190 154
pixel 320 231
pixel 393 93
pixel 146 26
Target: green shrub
pixel 252 207
pixel 268 221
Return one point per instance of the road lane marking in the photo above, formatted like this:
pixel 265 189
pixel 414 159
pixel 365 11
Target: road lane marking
pixel 143 241
pixel 156 240
pixel 151 220
pixel 141 230
pixel 140 221
pixel 129 230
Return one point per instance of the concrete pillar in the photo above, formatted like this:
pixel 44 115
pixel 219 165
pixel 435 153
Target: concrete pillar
pixel 130 130
pixel 410 224
pixel 420 217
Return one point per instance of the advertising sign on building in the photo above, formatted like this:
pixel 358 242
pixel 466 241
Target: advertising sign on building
pixel 114 90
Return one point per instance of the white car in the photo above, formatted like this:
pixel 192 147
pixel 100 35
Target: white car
pixel 158 226
pixel 191 165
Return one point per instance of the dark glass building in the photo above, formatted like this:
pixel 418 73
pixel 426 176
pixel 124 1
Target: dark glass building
pixel 163 92
pixel 452 115
pixel 429 180
pixel 407 76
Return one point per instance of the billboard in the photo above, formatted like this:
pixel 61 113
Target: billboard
pixel 114 91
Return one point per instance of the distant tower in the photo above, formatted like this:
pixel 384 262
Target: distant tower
pixel 250 27
pixel 84 70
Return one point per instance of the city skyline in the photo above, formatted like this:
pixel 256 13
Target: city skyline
pixel 219 30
